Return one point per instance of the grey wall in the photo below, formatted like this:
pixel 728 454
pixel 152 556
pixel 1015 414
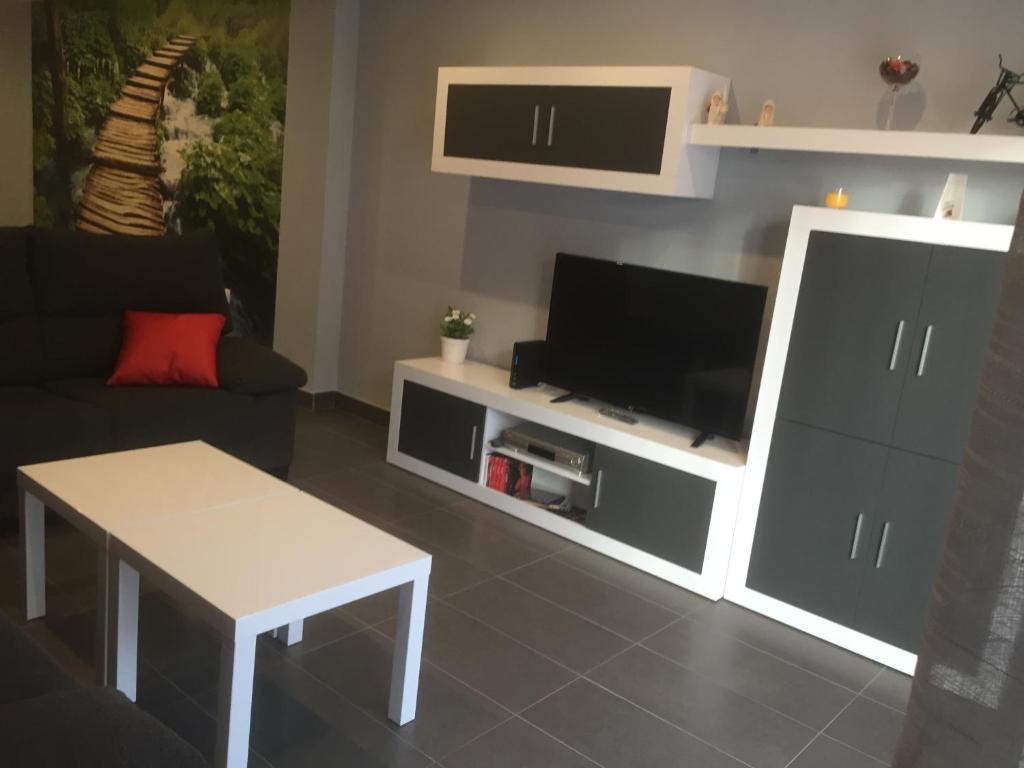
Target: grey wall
pixel 16 122
pixel 418 241
pixel 322 51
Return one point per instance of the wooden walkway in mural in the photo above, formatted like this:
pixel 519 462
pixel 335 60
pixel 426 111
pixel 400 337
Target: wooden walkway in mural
pixel 122 190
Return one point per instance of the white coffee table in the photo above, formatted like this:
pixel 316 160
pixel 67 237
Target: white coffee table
pixel 255 563
pixel 98 493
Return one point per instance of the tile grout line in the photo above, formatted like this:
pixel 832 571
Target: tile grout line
pixel 694 618
pixel 733 691
pixel 575 613
pixel 830 722
pixel 631 592
pixel 668 722
pixel 326 686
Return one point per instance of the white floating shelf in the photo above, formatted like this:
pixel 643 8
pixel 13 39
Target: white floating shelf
pixel 849 141
pixel 537 461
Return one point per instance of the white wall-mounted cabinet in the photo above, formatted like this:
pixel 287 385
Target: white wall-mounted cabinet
pixel 615 128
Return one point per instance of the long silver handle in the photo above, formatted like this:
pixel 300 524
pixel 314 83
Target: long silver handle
pixel 924 349
pixel 536 123
pixel 551 127
pixel 856 536
pixel 882 544
pixel 597 488
pixel 896 345
pixel 472 445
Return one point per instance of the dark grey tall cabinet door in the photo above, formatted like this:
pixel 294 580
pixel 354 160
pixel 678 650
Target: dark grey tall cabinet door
pixel 442 430
pixel 905 548
pixel 850 346
pixel 497 122
pixel 650 506
pixel 947 352
pixel 607 128
pixel 812 540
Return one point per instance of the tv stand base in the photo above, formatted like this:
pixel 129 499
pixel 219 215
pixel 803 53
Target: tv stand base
pixel 702 438
pixel 570 396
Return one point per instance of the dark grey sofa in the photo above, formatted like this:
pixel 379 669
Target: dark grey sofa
pixel 62 298
pixel 48 721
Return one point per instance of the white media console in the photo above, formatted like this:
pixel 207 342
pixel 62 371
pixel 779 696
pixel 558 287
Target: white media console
pixel 444 418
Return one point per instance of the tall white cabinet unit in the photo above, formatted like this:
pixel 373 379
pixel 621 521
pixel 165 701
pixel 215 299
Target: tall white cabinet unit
pixel 616 128
pixel 870 376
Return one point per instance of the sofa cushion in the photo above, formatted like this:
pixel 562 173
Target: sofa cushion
pixel 168 348
pixel 40 426
pixel 20 346
pixel 89 728
pixel 83 283
pixel 26 669
pixel 145 416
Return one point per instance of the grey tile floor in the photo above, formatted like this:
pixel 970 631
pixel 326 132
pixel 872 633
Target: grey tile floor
pixel 537 654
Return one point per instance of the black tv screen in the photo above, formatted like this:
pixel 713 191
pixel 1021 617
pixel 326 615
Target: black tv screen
pixel 676 346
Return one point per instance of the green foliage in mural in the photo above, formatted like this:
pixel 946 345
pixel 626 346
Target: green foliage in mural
pixel 210 94
pixel 225 104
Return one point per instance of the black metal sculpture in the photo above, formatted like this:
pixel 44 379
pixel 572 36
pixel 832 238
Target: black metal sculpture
pixel 1004 87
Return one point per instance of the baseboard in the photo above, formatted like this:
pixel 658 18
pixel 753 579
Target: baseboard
pixel 328 401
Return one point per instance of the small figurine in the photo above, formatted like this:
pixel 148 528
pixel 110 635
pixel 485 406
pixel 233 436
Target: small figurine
pixel 767 118
pixel 717 109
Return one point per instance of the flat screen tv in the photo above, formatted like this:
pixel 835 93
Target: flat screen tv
pixel 676 346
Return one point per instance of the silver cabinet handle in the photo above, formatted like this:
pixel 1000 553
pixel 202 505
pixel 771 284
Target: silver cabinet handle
pixel 472 445
pixel 597 488
pixel 924 349
pixel 896 345
pixel 856 536
pixel 536 123
pixel 882 544
pixel 551 127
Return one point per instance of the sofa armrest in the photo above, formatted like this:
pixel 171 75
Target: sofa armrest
pixel 90 728
pixel 249 368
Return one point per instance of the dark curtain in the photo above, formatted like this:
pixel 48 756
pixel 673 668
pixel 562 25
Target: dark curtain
pixel 967 704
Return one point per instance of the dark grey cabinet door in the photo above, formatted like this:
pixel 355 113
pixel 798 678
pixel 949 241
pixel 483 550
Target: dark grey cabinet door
pixel 848 354
pixel 905 548
pixel 652 507
pixel 811 545
pixel 959 306
pixel 442 430
pixel 497 122
pixel 606 128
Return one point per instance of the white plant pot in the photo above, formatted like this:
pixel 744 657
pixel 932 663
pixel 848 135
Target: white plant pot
pixel 454 350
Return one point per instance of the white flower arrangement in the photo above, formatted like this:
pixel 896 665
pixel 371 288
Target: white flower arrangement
pixel 458 324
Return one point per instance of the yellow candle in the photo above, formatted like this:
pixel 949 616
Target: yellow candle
pixel 837 198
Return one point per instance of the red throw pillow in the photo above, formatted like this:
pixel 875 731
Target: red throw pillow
pixel 168 348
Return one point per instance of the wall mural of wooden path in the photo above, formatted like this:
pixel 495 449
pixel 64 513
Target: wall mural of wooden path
pixel 122 191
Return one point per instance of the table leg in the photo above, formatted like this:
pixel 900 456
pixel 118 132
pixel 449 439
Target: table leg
pixel 33 553
pixel 103 600
pixel 234 705
pixel 405 667
pixel 123 651
pixel 289 634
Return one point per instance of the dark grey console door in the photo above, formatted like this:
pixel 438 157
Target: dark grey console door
pixel 811 545
pixel 606 128
pixel 905 547
pixel 852 334
pixel 652 507
pixel 947 353
pixel 497 122
pixel 442 430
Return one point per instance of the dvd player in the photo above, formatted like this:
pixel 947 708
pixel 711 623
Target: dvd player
pixel 557 447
